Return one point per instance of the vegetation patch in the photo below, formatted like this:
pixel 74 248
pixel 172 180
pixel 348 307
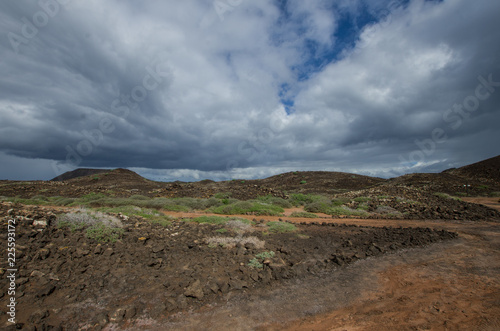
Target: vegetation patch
pixel 346 211
pixel 256 262
pixel 300 199
pixel 362 199
pixel 208 219
pixel 153 215
pixel 446 196
pixel 103 233
pixel 248 207
pixel 318 207
pixel 281 227
pixel 303 214
pixel 280 202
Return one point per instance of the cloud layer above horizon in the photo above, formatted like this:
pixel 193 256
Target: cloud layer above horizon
pixel 246 89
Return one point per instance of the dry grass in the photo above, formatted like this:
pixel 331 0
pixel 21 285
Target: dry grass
pixel 231 242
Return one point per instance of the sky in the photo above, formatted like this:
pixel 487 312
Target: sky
pixel 202 89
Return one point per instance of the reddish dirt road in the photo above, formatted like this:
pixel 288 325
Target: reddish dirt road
pixel 446 286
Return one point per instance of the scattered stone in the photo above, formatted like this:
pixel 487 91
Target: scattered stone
pixel 45 291
pixel 81 252
pixel 37 273
pixel 195 290
pixel 117 316
pixel 98 249
pixel 42 254
pixel 40 223
pixel 37 316
pixel 108 252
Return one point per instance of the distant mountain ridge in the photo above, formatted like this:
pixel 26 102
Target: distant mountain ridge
pixel 80 172
pixel 483 171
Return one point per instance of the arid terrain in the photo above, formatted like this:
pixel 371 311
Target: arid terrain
pixel 111 250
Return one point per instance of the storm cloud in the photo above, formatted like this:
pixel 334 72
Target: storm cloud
pixel 244 89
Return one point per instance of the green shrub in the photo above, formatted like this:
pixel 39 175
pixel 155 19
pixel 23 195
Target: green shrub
pixel 364 207
pixel 139 197
pixel 32 201
pixel 103 233
pixel 299 199
pixel 61 201
pixel 318 207
pixel 345 211
pixel 40 198
pixel 254 263
pixel 303 214
pixel 446 196
pixel 303 182
pixel 213 202
pixel 223 195
pixel 339 201
pixel 362 199
pixel 92 196
pixel 280 227
pixel 275 201
pixel 265 255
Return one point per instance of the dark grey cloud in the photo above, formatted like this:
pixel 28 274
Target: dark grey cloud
pixel 185 90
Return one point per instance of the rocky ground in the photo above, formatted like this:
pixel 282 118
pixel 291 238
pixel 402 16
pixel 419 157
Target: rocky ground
pixel 420 259
pixel 68 281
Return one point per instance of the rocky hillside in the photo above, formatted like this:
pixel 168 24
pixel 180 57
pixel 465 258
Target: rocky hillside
pixel 81 172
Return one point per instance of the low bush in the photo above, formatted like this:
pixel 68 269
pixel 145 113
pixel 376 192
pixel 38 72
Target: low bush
pixel 280 202
pixel 223 195
pixel 299 199
pixel 139 197
pixel 254 263
pixel 446 196
pixel 303 214
pixel 265 255
pixel 362 199
pixel 318 207
pixel 346 211
pixel 76 221
pixel 248 207
pixel 339 201
pixel 103 233
pixel 280 227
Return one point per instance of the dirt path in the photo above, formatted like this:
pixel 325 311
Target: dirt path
pixel 446 286
pixel 486 201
